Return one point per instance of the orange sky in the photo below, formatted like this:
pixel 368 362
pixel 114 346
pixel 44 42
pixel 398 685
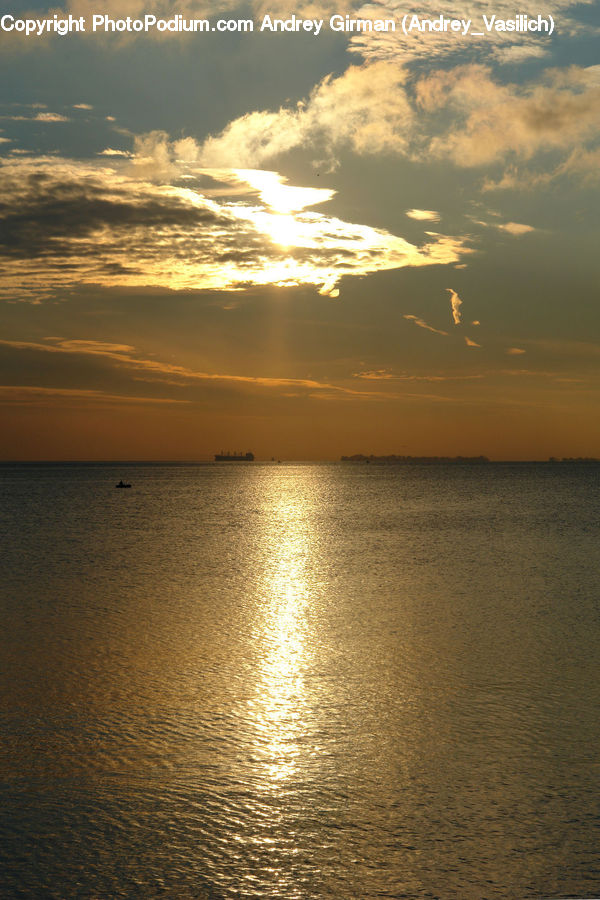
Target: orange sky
pixel 347 244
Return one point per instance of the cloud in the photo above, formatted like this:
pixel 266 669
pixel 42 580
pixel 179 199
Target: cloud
pixel 82 106
pixel 582 162
pixel 29 395
pixel 65 222
pixel 365 109
pixel 515 179
pixel 515 228
pixel 515 351
pixel 493 120
pixel 464 115
pixel 124 356
pixel 455 304
pixel 503 47
pixel 423 324
pixel 375 375
pixel 529 48
pixel 471 343
pixel 274 191
pixel 101 348
pixel 50 117
pixel 423 215
pixel 47 117
pixel 255 138
pixel 384 375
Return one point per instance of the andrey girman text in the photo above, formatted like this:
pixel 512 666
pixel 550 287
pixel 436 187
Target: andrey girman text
pixel 409 24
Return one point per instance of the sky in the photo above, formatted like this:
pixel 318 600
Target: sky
pixel 301 244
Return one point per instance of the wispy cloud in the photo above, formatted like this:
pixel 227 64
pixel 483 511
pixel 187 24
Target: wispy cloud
pixel 510 47
pixel 515 228
pixel 515 351
pixel 50 117
pixel 471 343
pixel 422 324
pixel 423 215
pixel 384 375
pixel 27 395
pixel 520 179
pixel 455 305
pixel 374 375
pixel 126 356
pixel 582 162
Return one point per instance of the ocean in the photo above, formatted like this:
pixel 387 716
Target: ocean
pixel 328 680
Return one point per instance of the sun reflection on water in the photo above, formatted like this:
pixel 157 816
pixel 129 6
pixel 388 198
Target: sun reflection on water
pixel 282 709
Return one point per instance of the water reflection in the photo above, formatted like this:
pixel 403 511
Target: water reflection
pixel 285 682
pixel 281 708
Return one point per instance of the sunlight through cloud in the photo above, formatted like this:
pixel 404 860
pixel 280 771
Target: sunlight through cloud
pixel 129 225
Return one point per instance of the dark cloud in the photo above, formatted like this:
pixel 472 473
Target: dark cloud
pixel 52 214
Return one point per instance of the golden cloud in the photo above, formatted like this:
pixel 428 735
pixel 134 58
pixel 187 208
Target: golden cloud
pixel 493 120
pixel 65 223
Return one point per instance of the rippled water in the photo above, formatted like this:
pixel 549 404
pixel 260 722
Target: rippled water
pixel 335 681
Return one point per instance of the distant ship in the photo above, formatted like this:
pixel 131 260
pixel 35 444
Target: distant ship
pixel 234 457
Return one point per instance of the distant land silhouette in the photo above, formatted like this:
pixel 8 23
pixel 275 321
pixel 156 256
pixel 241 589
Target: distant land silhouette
pixel 392 458
pixel 460 460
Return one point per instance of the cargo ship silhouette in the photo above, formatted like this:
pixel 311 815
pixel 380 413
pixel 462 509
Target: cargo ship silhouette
pixel 234 457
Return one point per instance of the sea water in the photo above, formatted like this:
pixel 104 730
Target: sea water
pixel 300 681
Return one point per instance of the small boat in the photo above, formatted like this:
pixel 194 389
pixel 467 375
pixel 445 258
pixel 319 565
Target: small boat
pixel 122 484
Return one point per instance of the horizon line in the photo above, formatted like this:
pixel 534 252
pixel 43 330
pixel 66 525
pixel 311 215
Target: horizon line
pixel 371 457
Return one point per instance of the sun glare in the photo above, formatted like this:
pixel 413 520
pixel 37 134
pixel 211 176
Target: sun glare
pixel 282 707
pixel 285 231
pixel 281 197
